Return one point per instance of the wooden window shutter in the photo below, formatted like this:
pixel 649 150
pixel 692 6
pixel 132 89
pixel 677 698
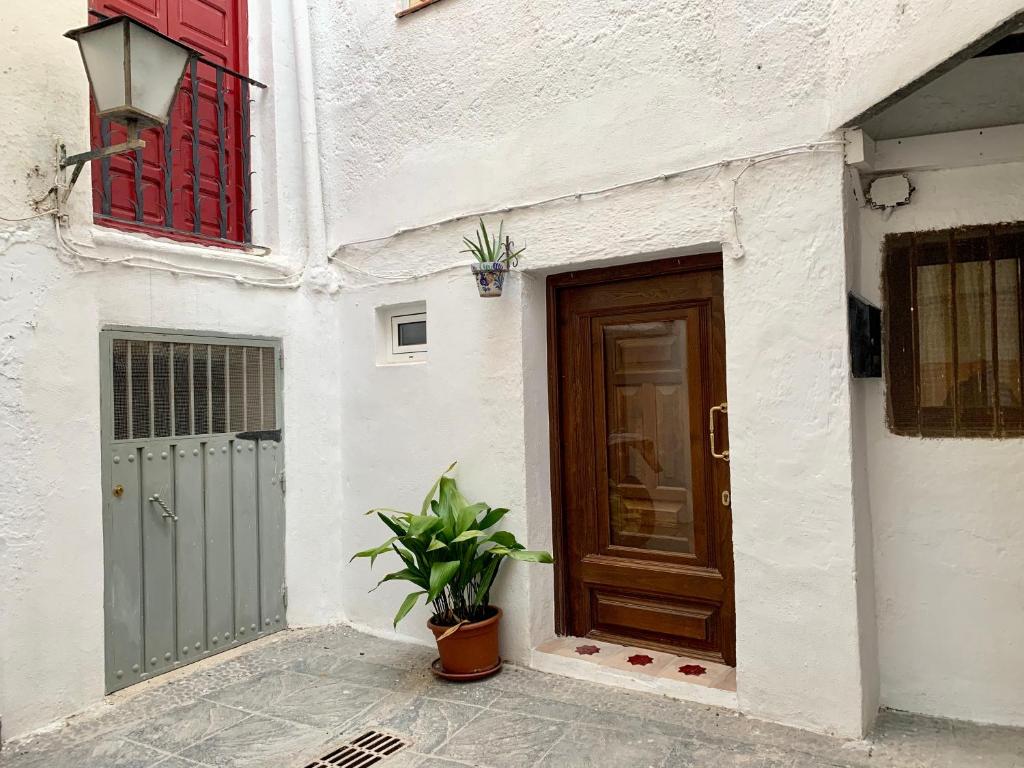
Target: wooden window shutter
pixel 176 187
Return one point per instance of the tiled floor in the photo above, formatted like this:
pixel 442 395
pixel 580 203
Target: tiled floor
pixel 286 699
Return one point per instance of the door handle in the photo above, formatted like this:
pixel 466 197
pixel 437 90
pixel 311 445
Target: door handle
pixel 167 511
pixel 723 408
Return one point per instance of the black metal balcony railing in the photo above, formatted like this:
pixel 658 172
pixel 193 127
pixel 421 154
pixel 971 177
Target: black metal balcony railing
pixel 193 181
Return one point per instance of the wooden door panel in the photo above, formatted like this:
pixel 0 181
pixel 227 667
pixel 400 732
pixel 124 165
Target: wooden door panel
pixel 693 581
pixel 628 615
pixel 637 362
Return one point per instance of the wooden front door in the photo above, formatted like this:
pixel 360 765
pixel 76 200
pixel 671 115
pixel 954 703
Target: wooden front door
pixel 639 442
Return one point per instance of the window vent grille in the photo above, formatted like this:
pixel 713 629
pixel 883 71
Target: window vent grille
pixel 369 749
pixel 171 389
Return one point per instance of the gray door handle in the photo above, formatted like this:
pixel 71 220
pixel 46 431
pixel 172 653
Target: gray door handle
pixel 167 511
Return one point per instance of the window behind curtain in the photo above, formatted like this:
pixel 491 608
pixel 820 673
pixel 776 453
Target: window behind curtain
pixel 218 29
pixel 954 323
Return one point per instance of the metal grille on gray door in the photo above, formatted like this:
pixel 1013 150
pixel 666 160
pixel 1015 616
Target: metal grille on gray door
pixel 166 389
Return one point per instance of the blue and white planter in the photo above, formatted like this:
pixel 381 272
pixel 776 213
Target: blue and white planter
pixel 490 277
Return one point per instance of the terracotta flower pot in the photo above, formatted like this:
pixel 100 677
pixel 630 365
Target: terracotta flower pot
pixel 490 277
pixel 471 649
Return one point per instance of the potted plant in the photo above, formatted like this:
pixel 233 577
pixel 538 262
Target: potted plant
pixel 453 558
pixel 494 257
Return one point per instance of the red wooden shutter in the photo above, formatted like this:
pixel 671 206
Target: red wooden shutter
pixel 218 29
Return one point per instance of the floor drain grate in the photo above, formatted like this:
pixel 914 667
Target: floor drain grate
pixel 369 749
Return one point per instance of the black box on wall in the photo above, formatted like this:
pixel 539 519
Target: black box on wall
pixel 865 323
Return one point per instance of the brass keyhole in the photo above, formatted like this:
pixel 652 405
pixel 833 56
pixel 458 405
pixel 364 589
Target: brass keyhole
pixel 119 490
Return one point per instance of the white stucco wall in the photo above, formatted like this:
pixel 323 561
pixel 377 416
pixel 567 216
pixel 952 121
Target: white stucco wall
pixel 480 398
pixel 466 106
pixel 426 118
pixel 949 538
pixel 51 562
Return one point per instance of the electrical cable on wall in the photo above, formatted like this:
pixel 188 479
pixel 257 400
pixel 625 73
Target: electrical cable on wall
pixel 30 217
pixel 71 252
pixel 718 166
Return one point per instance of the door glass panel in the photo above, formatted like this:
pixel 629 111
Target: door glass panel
pixel 649 463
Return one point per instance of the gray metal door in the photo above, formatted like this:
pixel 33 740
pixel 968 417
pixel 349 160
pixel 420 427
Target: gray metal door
pixel 193 483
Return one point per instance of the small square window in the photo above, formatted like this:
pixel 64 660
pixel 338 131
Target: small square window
pixel 409 336
pixel 402 333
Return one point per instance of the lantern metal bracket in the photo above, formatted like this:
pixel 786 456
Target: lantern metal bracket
pixel 78 161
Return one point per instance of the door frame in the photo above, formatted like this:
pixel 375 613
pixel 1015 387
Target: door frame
pixel 107 334
pixel 555 284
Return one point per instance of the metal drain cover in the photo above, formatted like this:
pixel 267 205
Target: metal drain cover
pixel 369 749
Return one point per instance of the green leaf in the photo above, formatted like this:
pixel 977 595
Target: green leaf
pixel 395 525
pixel 433 489
pixel 407 605
pixel 505 539
pixel 436 544
pixel 492 518
pixel 449 501
pixel 485 582
pixel 467 516
pixel 404 575
pixel 473 249
pixel 467 535
pixel 407 558
pixel 440 575
pixel 528 556
pixel 376 551
pixel 450 495
pixel 470 566
pixel 485 245
pixel 422 525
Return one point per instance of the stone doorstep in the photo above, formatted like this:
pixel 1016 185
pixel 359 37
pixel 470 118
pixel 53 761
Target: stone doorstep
pixel 677 677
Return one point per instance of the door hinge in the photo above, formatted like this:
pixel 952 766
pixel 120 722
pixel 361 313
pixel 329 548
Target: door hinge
pixel 284 594
pixel 280 359
pixel 282 481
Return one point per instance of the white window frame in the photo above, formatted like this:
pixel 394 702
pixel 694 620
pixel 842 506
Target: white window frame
pixel 405 353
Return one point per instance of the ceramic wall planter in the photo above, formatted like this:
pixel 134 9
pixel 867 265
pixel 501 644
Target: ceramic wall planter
pixel 490 277
pixel 470 652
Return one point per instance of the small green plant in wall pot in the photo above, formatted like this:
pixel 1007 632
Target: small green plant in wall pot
pixel 495 255
pixel 452 555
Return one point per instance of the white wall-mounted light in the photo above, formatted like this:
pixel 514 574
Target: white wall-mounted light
pixel 134 73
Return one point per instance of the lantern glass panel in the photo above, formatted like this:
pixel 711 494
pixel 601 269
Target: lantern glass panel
pixel 157 66
pixel 103 53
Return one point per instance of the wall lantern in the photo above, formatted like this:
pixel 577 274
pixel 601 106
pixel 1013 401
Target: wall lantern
pixel 134 74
